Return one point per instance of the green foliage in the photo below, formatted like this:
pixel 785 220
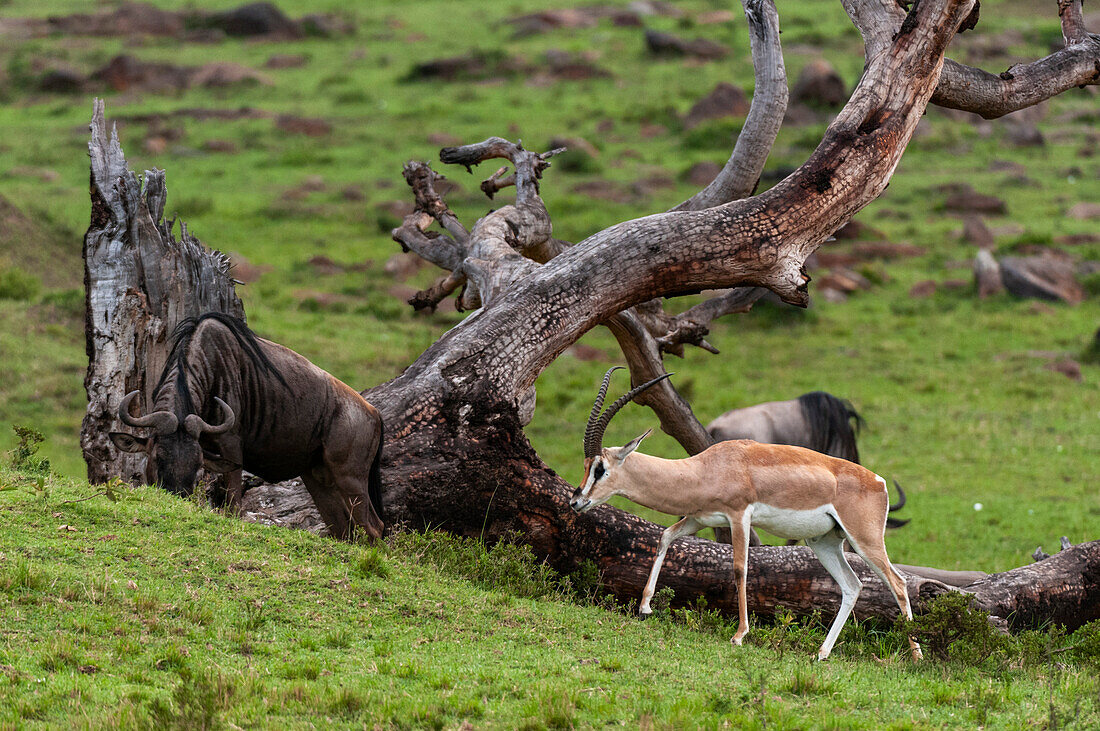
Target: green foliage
pixel 953 629
pixel 16 284
pixel 506 566
pixel 25 457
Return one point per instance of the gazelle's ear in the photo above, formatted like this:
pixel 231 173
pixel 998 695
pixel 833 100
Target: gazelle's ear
pixel 632 445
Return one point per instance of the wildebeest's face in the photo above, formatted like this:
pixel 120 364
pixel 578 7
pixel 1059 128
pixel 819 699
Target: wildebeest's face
pixel 173 452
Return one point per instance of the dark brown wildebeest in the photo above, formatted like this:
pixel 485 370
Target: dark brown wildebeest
pixel 228 399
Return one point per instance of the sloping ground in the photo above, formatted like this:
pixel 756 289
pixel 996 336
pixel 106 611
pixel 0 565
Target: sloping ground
pixel 39 247
pixel 152 611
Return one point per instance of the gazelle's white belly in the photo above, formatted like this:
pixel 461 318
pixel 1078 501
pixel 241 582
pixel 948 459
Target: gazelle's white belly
pixel 787 523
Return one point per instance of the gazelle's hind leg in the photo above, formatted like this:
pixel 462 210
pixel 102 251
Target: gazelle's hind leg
pixel 872 548
pixel 828 549
pixel 684 527
pixel 740 535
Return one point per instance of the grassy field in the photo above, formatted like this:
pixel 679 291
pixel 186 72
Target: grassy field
pixel 961 404
pixel 151 611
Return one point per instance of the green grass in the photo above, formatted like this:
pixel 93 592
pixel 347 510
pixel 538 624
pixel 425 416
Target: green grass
pixel 960 405
pixel 152 611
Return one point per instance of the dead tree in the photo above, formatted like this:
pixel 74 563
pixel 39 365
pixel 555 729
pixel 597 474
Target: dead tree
pixel 140 282
pixel 456 457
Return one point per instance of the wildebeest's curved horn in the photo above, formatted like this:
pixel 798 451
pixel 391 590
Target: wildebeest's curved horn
pixel 162 422
pixel 613 409
pixel 591 440
pixel 195 425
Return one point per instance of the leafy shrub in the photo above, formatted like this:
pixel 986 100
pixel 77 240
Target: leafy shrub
pixel 16 284
pixel 954 629
pixel 1086 643
pixel 25 455
pixel 506 566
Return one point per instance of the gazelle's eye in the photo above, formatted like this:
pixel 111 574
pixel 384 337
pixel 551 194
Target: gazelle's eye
pixel 597 472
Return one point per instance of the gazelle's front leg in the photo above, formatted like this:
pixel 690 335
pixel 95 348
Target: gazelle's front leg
pixel 684 527
pixel 740 531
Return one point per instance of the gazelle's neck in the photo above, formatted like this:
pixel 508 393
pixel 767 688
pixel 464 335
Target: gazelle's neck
pixel 670 486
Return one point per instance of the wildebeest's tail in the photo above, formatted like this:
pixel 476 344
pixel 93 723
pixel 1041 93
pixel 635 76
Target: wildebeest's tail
pixel 897 522
pixel 833 424
pixel 374 479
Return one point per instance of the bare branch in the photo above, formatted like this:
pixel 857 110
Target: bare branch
pixel 990 95
pixel 431 297
pixel 739 177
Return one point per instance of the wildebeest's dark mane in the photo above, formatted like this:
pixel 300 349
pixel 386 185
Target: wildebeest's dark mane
pixel 830 429
pixel 181 344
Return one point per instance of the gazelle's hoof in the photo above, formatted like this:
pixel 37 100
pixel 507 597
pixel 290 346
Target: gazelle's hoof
pixel 642 616
pixel 735 641
pixel 822 657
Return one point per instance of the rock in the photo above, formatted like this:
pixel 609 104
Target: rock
pixel 309 126
pixel 603 190
pixel 61 81
pixel 976 232
pixel 1077 239
pixel 244 271
pixel 965 199
pixel 1067 367
pixel 286 61
pixel 225 146
pixel 580 351
pixel 286 504
pixel 1041 277
pixel 402 266
pixel 216 75
pixel 325 266
pixel 667 44
pixel 1085 211
pixel 1024 135
pixel 442 139
pixel 255 19
pixel 857 230
pixel 820 85
pixel 844 280
pixel 886 250
pixel 987 275
pixel 923 289
pixel 125 72
pixel 702 173
pixel 726 100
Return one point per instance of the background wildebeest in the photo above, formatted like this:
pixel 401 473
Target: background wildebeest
pixel 817 420
pixel 228 399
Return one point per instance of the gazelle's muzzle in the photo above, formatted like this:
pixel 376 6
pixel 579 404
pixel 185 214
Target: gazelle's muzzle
pixel 579 502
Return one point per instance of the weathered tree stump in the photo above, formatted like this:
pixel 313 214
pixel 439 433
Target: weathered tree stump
pixel 140 283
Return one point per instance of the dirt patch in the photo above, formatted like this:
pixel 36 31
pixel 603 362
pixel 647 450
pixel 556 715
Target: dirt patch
pixel 309 126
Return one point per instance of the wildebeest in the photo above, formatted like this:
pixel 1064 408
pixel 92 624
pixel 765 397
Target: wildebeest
pixel 227 399
pixel 817 420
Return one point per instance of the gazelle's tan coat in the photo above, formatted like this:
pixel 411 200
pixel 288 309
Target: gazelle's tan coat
pixel 789 491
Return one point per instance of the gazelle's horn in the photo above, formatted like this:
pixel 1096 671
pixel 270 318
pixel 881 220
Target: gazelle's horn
pixel 195 425
pixel 613 409
pixel 591 439
pixel 162 422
